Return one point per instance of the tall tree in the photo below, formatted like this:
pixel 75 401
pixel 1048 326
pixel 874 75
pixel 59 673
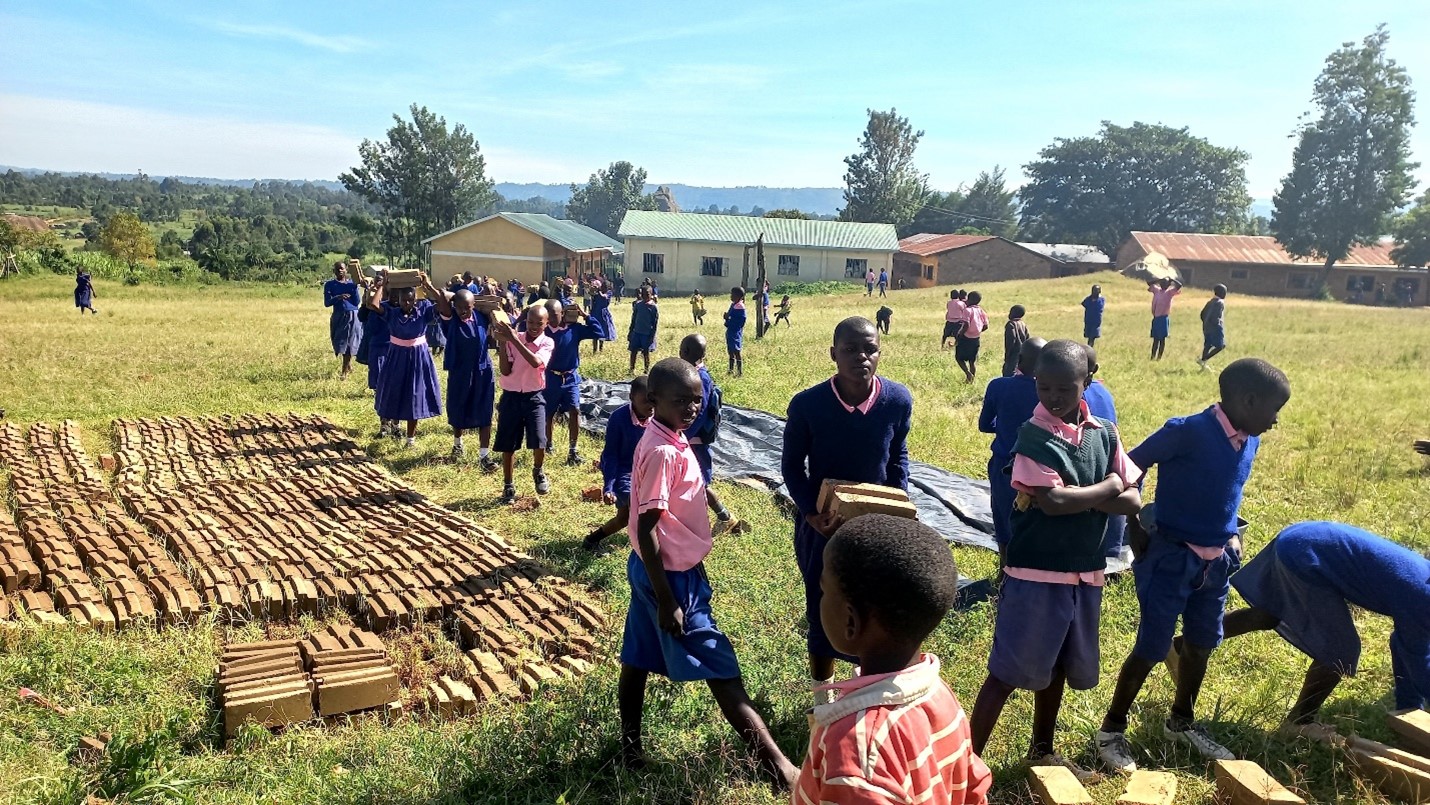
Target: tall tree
pixel 126 238
pixel 988 204
pixel 1412 235
pixel 425 178
pixel 881 183
pixel 940 214
pixel 604 200
pixel 1351 168
pixel 1143 177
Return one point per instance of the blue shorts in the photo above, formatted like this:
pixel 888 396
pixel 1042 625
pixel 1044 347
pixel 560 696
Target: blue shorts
pixel 1042 628
pixel 1161 326
pixel 562 392
pixel 734 340
pixel 702 458
pixel 640 342
pixel 520 413
pixel 1001 496
pixel 1314 618
pixel 703 652
pixel 1215 337
pixel 1173 582
pixel 621 488
pixel 809 555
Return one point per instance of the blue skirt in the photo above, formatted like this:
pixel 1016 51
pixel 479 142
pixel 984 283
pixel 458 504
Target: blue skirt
pixel 407 384
pixel 471 398
pixel 376 355
pixel 606 323
pixel 83 297
pixel 436 337
pixel 345 331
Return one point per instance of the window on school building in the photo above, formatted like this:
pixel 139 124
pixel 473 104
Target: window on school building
pixel 713 266
pixel 928 272
pixel 856 268
pixel 653 263
pixel 1298 281
pixel 1363 282
pixel 1240 274
pixel 789 265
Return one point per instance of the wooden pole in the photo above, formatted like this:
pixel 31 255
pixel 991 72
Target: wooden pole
pixel 745 268
pixel 760 286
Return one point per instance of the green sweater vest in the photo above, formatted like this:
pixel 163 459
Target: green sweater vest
pixel 1069 542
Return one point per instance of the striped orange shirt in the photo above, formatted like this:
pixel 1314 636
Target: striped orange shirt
pixel 899 737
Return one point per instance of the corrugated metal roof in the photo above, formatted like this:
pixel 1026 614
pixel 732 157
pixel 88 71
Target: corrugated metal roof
pixel 566 234
pixel 1248 249
pixel 926 245
pixel 744 229
pixel 1068 252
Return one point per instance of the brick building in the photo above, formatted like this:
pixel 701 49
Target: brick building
pixel 925 260
pixel 1256 264
pixel 528 247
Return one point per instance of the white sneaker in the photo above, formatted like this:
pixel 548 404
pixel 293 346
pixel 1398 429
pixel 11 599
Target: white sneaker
pixel 1197 737
pixel 1084 776
pixel 1114 752
pixel 410 442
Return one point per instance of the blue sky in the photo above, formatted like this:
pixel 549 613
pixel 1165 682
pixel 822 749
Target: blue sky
pixel 734 93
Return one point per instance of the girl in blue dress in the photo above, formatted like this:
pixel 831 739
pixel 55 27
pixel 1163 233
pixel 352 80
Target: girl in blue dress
pixel 84 292
pixel 342 295
pixel 600 315
pixel 407 387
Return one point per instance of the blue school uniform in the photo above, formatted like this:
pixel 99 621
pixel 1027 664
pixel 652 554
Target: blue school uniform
pixel 563 370
pixel 1100 404
pixel 701 652
pixel 407 388
pixel 1309 574
pixel 600 315
pixel 83 291
pixel 1200 481
pixel 1092 308
pixel 471 386
pixel 645 318
pixel 372 350
pixel 850 446
pixel 735 328
pixel 344 329
pixel 700 448
pixel 1007 404
pixel 623 433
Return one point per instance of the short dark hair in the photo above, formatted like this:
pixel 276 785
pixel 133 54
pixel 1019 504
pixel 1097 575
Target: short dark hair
pixel 692 347
pixel 1063 355
pixel 640 384
pixel 670 372
pixel 1254 376
pixel 1017 312
pixel 1091 359
pixel 738 289
pixel 974 297
pixel 895 570
pixel 854 325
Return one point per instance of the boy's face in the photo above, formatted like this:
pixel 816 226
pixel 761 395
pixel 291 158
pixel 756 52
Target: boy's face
pixel 341 273
pixel 535 322
pixel 735 296
pixel 554 312
pixel 856 355
pixel 678 405
pixel 1253 413
pixel 840 624
pixel 1096 291
pixel 462 303
pixel 1060 390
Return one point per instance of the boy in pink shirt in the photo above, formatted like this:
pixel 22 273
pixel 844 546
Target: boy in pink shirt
pixel 669 627
pixel 895 731
pixel 1162 293
pixel 967 341
pixel 522 409
pixel 952 317
pixel 1070 471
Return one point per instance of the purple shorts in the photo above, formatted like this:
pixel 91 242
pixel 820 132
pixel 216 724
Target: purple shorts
pixel 702 652
pixel 1042 628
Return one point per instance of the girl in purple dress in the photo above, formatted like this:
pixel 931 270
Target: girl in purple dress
pixel 83 292
pixel 600 315
pixel 407 387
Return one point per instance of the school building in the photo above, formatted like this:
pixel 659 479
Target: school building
pixel 528 247
pixel 926 260
pixel 685 251
pixel 1257 264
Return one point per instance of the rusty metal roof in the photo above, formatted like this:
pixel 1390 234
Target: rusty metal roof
pixel 1248 249
pixel 926 245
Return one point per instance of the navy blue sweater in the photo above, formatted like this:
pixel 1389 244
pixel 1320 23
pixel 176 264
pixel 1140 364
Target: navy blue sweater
pixel 1007 404
pixel 1200 478
pixel 619 454
pixel 566 354
pixel 707 388
pixel 822 440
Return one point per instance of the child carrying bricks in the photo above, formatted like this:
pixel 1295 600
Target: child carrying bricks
pixel 1163 292
pixel 407 387
pixel 645 318
pixel 952 316
pixel 471 388
pixel 624 430
pixel 697 308
pixel 1007 404
pixel 563 372
pixel 706 428
pixel 1070 472
pixel 1015 334
pixel 896 728
pixel 735 331
pixel 522 411
pixel 855 428
pixel 1213 326
pixel 670 629
pixel 1186 544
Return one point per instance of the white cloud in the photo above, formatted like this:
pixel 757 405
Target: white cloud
pixel 279 33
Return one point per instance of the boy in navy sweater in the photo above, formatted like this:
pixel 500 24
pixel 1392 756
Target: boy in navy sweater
pixel 563 373
pixel 645 320
pixel 1187 546
pixel 703 431
pixel 1070 472
pixel 1007 404
pixel 855 428
pixel 624 430
pixel 735 331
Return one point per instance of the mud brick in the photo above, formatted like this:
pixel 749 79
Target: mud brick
pixel 464 700
pixel 92 614
pixel 6 611
pixel 573 666
pixel 422 604
pixel 272 707
pixel 259 666
pixel 439 702
pixel 1402 775
pixel 508 610
pixel 238 686
pixel 345 666
pixel 534 632
pixel 1242 782
pixel 533 675
pixel 1412 730
pixel 538 602
pixel 16 576
pixel 319 643
pixel 385 612
pixel 1149 788
pixel 850 505
pixel 379 687
pixel 345 593
pixel 334 657
pixel 259 647
pixel 1056 785
pixel 65 577
pixel 361 638
pixel 90 749
pixel 588 615
pixel 225 600
pixel 48 618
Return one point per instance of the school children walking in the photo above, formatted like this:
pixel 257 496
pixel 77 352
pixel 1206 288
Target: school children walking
pixel 1015 334
pixel 952 317
pixel 344 330
pixel 84 292
pixel 1092 307
pixel 969 337
pixel 735 331
pixel 600 316
pixel 1163 292
pixel 407 387
pixel 697 308
pixel 1213 326
pixel 521 412
pixel 645 318
pixel 471 385
pixel 563 373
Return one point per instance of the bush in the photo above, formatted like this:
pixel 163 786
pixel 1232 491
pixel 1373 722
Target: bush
pixel 820 288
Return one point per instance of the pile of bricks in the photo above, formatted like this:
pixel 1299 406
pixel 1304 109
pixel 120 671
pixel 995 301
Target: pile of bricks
pixel 350 671
pixel 851 500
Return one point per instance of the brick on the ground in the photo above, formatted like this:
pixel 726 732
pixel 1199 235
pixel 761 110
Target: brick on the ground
pixel 1149 788
pixel 1056 785
pixel 1412 730
pixel 1243 782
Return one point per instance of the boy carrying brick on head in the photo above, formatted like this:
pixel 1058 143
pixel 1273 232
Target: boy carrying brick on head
pixel 1070 472
pixel 522 357
pixel 624 430
pixel 1186 545
pixel 645 318
pixel 853 428
pixel 669 628
pixel 735 331
pixel 896 730
pixel 1163 291
pixel 1007 404
pixel 1015 334
pixel 563 372
pixel 706 428
pixel 471 389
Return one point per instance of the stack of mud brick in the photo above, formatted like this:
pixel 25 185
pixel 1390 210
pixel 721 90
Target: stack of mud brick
pixel 350 671
pixel 851 500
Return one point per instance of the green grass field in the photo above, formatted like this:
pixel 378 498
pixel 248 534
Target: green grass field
pixel 1342 452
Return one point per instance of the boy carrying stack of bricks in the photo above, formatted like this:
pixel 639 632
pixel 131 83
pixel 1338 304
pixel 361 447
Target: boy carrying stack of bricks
pixel 563 371
pixel 1186 545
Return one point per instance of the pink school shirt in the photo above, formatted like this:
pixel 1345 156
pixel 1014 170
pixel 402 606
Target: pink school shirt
pixel 665 477
pixel 1162 299
pixel 977 321
pixel 1029 475
pixel 862 407
pixel 954 310
pixel 524 377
